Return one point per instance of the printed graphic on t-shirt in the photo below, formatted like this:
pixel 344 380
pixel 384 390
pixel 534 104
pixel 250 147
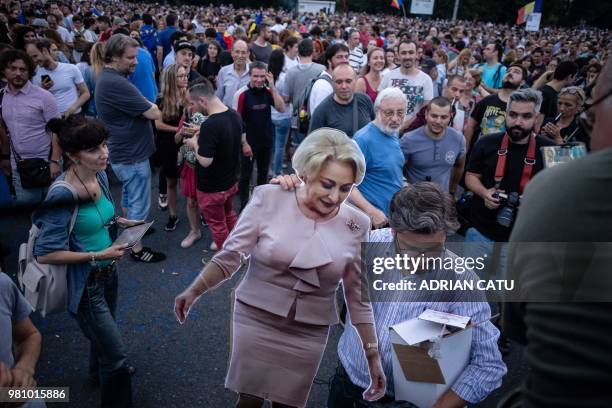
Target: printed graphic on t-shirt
pixel 450 157
pixel 493 121
pixel 413 93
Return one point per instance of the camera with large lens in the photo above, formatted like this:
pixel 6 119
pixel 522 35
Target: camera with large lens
pixel 505 216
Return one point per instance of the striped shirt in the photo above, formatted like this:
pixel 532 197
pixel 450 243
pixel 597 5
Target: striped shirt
pixel 485 369
pixel 357 59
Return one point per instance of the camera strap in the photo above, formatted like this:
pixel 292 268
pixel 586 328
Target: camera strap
pixel 527 166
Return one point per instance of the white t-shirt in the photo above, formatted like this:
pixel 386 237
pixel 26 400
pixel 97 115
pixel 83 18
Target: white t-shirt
pixel 290 63
pixel 277 28
pixel 320 90
pixel 169 60
pixel 65 34
pixel 418 88
pixel 65 79
pixel 280 88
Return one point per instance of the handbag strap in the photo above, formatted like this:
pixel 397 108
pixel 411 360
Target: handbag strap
pixel 15 154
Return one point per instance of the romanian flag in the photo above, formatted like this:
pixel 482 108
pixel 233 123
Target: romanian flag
pixel 523 12
pixel 397 4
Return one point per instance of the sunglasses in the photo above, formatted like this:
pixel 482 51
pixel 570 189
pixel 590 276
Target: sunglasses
pixel 586 120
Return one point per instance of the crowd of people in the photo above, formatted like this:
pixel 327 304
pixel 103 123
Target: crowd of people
pixel 378 128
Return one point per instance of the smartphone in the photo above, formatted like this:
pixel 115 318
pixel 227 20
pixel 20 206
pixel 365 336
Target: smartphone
pixel 45 78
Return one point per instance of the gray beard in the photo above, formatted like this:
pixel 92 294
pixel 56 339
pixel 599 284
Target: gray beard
pixel 386 130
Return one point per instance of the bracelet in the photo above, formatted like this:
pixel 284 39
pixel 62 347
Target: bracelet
pixel 93 261
pixel 370 346
pixel 54 161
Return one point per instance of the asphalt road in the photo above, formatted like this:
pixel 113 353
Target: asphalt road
pixel 178 366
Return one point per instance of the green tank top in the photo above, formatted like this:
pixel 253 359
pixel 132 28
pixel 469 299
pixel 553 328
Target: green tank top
pixel 90 229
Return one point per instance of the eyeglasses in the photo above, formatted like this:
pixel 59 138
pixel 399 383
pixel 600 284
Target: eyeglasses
pixel 586 120
pixel 390 113
pixel 430 251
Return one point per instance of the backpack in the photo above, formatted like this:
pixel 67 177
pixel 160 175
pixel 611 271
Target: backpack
pixel 44 285
pixel 303 110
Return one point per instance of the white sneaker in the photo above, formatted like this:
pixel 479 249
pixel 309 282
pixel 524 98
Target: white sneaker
pixel 190 239
pixel 162 201
pixel 213 246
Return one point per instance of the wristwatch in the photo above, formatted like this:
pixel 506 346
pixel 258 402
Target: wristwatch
pixel 54 161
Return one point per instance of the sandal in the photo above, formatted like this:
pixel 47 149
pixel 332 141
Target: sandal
pixel 147 255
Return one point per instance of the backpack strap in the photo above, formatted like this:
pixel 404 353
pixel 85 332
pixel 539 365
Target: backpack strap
pixel 75 196
pixel 496 76
pixel 312 83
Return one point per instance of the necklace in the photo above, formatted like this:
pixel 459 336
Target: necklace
pixel 93 199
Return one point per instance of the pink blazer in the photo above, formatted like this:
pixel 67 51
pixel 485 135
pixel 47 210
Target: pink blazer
pixel 294 259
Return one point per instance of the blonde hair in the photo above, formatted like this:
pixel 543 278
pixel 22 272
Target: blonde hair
pixel 442 54
pixel 173 98
pixel 464 53
pixel 327 144
pixel 96 57
pixel 476 76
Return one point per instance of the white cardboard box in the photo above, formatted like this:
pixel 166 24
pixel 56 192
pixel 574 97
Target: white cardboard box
pixel 417 377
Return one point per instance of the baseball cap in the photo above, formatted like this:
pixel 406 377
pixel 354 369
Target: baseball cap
pixel 183 45
pixel 40 22
pixel 118 21
pixel 428 65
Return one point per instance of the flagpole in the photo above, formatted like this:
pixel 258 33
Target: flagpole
pixel 404 9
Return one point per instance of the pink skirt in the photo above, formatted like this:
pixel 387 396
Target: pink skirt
pixel 188 180
pixel 273 357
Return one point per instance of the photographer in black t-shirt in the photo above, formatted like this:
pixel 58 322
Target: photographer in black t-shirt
pixel 498 170
pixel 492 194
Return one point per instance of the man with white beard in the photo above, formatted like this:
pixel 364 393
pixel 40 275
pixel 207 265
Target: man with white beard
pixel 379 142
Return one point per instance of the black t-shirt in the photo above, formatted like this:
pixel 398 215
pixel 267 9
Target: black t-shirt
pixel 549 101
pixel 483 160
pixel 220 138
pixel 209 69
pixel 490 116
pixel 573 132
pixel 536 72
pixel 254 105
pixel 193 76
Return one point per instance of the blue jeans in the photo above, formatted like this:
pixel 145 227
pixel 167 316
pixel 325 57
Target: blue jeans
pixel 96 318
pixel 27 196
pixel 297 137
pixel 136 189
pixel 281 133
pixel 477 245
